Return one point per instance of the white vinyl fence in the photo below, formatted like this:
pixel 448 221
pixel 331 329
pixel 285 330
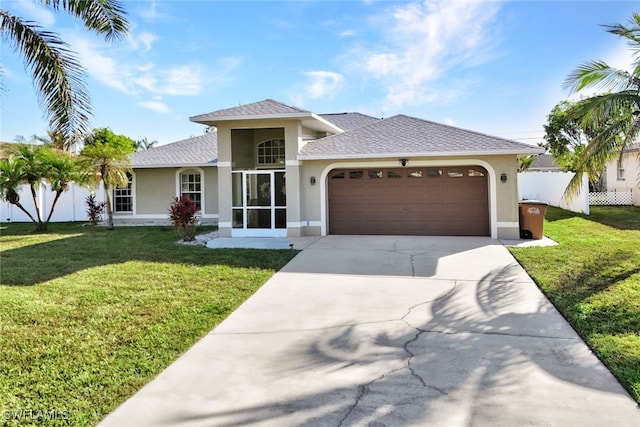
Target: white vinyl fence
pixel 549 187
pixel 70 207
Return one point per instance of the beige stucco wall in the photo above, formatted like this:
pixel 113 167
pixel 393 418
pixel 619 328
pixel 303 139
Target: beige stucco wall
pixel 631 179
pixel 155 188
pixel 504 217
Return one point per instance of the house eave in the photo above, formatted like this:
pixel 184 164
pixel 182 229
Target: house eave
pixel 519 152
pixel 173 165
pixel 308 119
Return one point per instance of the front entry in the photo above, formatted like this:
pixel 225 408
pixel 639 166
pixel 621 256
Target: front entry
pixel 259 204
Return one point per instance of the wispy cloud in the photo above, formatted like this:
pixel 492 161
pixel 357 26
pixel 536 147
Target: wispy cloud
pixel 420 42
pixel 142 41
pixel 31 11
pixel 317 85
pixel 157 106
pixel 123 70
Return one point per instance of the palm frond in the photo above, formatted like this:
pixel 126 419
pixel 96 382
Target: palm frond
pixel 105 17
pixel 58 76
pixel 600 76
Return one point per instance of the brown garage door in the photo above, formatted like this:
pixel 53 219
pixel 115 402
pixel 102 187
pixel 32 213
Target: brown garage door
pixel 438 201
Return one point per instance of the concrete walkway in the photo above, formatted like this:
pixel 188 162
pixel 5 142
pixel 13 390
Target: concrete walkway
pixel 392 331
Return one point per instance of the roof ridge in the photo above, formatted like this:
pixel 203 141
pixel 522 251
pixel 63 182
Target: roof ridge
pixel 462 129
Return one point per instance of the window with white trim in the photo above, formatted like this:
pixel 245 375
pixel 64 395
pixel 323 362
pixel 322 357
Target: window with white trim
pixel 620 170
pixel 123 197
pixel 271 152
pixel 191 185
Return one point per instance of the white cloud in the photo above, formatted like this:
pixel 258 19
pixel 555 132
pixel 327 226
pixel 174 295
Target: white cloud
pixel 321 84
pixel 143 39
pixel 31 11
pixel 185 80
pixel 114 69
pixel 318 84
pixel 157 106
pixel 449 121
pixel 421 41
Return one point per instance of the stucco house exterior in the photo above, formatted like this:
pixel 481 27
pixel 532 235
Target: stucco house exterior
pixel 270 169
pixel 622 174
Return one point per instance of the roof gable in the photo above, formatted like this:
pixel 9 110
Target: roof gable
pixel 268 107
pixel 195 151
pixel 409 136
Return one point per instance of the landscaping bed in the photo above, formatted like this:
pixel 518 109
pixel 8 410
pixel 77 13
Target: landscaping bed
pixel 593 278
pixel 90 315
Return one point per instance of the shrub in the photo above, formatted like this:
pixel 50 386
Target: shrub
pixel 95 209
pixel 182 213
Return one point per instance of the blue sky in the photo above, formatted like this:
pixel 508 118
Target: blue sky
pixel 491 66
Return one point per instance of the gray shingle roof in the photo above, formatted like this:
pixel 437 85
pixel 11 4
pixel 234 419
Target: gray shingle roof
pixel 349 121
pixel 404 135
pixel 261 108
pixel 544 162
pixel 195 151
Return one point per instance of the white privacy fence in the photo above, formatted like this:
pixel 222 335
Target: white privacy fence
pixel 549 187
pixel 610 198
pixel 70 207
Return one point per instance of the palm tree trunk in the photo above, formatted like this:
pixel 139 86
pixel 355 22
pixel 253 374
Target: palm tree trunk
pixel 19 206
pixel 109 210
pixel 53 205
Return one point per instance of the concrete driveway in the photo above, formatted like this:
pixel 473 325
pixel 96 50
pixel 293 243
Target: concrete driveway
pixel 374 331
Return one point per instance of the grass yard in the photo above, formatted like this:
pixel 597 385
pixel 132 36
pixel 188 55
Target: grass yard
pixel 593 278
pixel 90 315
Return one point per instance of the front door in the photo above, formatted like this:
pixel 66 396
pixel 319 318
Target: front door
pixel 259 204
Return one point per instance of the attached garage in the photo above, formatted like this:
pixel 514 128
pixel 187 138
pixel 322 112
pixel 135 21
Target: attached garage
pixel 448 201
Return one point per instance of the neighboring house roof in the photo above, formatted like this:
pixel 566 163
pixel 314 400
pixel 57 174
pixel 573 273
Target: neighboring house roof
pixel 401 135
pixel 195 151
pixel 267 110
pixel 350 121
pixel 544 163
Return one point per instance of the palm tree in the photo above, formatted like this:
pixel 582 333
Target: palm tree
pixel 32 165
pixel 56 72
pixel 109 164
pixel 611 117
pixel 144 144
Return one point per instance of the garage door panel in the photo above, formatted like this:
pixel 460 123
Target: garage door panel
pixel 416 201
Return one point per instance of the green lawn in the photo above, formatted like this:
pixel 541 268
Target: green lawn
pixel 88 315
pixel 593 278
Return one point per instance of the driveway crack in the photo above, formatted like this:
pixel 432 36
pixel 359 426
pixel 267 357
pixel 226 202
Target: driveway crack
pixel 364 389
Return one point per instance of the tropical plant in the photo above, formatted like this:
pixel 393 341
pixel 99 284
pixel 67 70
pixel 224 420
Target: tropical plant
pixel 144 144
pixel 56 71
pixel 564 135
pixel 106 136
pixel 182 213
pixel 33 165
pixel 612 116
pixel 109 164
pixel 95 209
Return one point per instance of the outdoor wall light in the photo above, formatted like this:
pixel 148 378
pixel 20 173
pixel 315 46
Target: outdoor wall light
pixel 313 180
pixel 404 162
pixel 503 178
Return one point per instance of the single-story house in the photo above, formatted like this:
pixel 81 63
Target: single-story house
pixel 270 169
pixel 622 174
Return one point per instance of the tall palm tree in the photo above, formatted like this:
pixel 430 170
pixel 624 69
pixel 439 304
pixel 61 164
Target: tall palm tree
pixel 612 116
pixel 109 164
pixel 56 72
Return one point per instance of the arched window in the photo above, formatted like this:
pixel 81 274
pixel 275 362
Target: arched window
pixel 191 185
pixel 123 197
pixel 271 152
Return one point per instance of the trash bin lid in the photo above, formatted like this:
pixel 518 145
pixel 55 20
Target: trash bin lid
pixel 533 202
